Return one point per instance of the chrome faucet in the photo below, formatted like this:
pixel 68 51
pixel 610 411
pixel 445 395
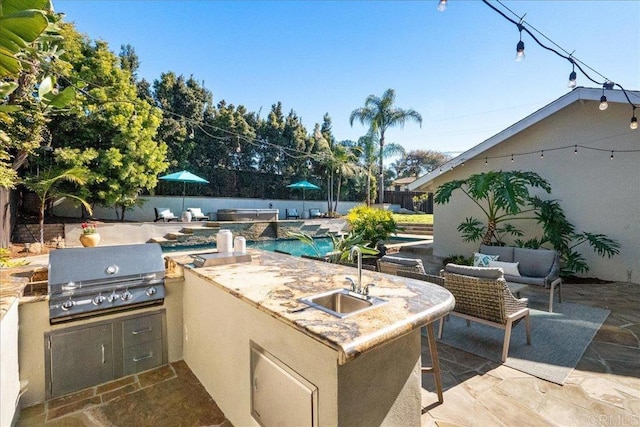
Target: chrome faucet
pixel 357 287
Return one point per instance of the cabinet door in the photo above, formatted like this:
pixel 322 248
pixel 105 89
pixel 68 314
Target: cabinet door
pixel 80 358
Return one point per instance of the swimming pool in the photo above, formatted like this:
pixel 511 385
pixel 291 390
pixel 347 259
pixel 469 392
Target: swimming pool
pixel 292 246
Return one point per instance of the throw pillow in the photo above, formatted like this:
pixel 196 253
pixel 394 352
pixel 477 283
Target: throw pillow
pixel 482 260
pixel 510 268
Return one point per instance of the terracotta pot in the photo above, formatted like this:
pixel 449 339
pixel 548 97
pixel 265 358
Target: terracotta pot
pixel 90 240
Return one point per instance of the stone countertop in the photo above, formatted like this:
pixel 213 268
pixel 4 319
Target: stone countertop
pixel 273 282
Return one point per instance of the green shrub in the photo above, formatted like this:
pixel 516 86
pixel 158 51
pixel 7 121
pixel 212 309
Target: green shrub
pixel 375 225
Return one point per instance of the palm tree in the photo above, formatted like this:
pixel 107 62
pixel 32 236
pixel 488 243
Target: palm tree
pixel 368 156
pixel 380 114
pixel 47 188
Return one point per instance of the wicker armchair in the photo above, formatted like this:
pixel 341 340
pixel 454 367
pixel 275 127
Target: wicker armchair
pixel 482 296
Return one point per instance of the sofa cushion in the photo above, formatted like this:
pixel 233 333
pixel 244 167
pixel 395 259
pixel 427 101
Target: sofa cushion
pixel 534 262
pixel 480 272
pixel 509 268
pixel 538 281
pixel 482 260
pixel 504 252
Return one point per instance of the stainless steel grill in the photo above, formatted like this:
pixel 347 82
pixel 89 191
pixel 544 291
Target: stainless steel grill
pixel 92 281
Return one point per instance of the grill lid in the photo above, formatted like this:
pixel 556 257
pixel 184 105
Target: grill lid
pixel 104 263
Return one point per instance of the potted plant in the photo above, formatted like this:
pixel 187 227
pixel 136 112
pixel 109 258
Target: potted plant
pixel 90 236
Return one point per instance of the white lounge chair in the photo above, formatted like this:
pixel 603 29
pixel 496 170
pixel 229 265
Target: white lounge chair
pixel 197 215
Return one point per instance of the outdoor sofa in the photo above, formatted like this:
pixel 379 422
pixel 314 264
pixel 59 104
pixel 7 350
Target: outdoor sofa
pixel 524 267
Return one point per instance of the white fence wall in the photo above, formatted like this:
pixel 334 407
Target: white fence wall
pixel 209 205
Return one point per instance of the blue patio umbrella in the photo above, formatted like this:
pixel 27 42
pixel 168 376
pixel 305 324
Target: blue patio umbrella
pixel 303 185
pixel 184 177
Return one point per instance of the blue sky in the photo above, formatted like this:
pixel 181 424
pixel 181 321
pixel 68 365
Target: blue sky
pixel 456 68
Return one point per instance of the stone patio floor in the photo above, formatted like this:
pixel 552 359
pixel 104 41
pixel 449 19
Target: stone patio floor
pixel 603 389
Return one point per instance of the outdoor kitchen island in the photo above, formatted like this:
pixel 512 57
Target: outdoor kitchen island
pixel 263 356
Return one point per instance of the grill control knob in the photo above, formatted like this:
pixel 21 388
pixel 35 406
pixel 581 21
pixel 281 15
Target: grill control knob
pixel 126 295
pixel 113 297
pixel 151 291
pixel 67 305
pixel 99 299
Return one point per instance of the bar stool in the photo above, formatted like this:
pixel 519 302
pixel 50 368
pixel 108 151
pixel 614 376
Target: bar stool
pixel 435 363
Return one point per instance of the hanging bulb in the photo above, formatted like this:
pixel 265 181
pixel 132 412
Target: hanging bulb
pixel 238 149
pixel 486 161
pixel 512 158
pixel 572 80
pixel 520 45
pixel 611 155
pixel 542 154
pixel 192 134
pixel 634 120
pixel 575 149
pixel 442 5
pixel 520 51
pixel 603 103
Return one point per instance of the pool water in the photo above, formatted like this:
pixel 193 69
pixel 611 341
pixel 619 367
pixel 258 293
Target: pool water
pixel 294 247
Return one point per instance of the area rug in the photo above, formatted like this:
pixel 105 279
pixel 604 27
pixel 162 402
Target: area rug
pixel 558 340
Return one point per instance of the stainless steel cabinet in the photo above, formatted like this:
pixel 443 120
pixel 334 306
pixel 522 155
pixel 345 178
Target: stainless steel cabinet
pixel 279 395
pixel 80 358
pixel 143 343
pixel 83 356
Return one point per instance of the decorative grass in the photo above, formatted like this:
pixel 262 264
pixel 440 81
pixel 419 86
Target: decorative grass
pixel 414 218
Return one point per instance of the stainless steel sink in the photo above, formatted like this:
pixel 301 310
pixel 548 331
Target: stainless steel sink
pixel 342 302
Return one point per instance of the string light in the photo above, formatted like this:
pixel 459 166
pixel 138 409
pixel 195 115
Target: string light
pixel 512 158
pixel 542 154
pixel 575 149
pixel 611 155
pixel 603 100
pixel 520 45
pixel 634 120
pixel 522 26
pixel 486 160
pixel 442 5
pixel 572 76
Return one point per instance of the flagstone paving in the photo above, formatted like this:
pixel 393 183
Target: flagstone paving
pixel 603 389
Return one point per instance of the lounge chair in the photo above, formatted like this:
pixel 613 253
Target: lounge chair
pixel 482 295
pixel 164 215
pixel 197 215
pixel 314 213
pixel 292 213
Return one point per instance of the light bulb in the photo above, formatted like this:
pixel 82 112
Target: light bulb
pixel 442 5
pixel 238 149
pixel 603 103
pixel 520 51
pixel 634 123
pixel 572 80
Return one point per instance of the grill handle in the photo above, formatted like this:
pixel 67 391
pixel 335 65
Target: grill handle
pixel 142 331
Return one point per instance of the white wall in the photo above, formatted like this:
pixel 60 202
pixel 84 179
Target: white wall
pixel 9 378
pixel 597 194
pixel 207 204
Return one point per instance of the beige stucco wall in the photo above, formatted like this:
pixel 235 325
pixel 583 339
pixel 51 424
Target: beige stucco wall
pixel 597 194
pixel 381 387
